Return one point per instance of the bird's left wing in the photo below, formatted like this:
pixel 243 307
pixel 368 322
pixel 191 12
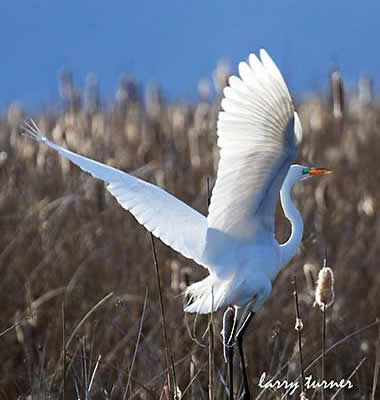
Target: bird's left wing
pixel 258 135
pixel 168 218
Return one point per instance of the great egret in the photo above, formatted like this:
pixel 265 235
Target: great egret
pixel 259 133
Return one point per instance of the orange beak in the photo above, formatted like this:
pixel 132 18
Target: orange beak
pixel 319 171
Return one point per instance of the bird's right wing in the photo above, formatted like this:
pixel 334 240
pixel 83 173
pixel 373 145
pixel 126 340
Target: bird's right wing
pixel 168 218
pixel 258 135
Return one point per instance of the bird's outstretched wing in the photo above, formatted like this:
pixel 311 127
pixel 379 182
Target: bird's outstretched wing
pixel 258 135
pixel 174 222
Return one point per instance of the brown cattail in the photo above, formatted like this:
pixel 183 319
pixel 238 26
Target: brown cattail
pixel 175 275
pixel 204 89
pixel 185 278
pixel 69 92
pixel 365 89
pixel 310 272
pixel 337 94
pixel 91 94
pixel 221 74
pixel 324 294
pixel 15 115
pixel 18 328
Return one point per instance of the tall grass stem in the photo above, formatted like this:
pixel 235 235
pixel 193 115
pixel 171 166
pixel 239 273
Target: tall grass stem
pixel 169 357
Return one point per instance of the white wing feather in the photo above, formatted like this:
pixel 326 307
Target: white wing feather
pixel 174 222
pixel 258 135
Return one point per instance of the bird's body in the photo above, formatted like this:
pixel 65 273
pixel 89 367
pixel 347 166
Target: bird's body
pixel 259 133
pixel 249 267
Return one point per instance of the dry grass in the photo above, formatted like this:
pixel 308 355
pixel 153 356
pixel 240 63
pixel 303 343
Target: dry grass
pixel 66 244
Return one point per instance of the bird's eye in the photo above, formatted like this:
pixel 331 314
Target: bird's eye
pixel 305 171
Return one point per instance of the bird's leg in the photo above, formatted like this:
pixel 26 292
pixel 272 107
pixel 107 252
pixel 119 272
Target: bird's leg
pixel 239 339
pixel 228 334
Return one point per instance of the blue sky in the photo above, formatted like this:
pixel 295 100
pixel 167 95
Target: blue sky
pixel 178 42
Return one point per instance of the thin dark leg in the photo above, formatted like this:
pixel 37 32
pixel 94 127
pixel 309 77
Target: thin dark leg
pixel 230 357
pixel 229 324
pixel 239 340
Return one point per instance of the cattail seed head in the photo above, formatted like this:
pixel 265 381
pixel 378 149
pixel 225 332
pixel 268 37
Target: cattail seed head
pixel 310 271
pixel 337 94
pixel 18 328
pixel 324 294
pixel 175 275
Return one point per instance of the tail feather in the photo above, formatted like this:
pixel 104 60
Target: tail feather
pixel 206 295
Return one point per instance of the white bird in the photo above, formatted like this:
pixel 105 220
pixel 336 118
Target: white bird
pixel 259 133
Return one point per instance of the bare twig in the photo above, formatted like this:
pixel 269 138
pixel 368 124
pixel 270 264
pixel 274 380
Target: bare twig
pixel 169 357
pixel 377 365
pixel 13 326
pixel 323 348
pixel 299 331
pixel 211 372
pixel 165 372
pixel 84 367
pixel 63 351
pixel 85 317
pixel 332 347
pixel 93 373
pixel 137 344
pixel 193 378
pixel 349 377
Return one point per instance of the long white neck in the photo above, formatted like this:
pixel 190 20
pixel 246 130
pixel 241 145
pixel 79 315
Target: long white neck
pixel 290 247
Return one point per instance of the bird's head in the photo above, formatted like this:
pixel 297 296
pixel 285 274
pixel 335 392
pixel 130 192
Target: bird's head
pixel 300 172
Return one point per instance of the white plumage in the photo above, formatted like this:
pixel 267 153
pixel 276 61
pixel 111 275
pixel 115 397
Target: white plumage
pixel 258 135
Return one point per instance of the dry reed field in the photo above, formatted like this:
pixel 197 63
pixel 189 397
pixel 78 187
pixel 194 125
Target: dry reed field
pixel 80 306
